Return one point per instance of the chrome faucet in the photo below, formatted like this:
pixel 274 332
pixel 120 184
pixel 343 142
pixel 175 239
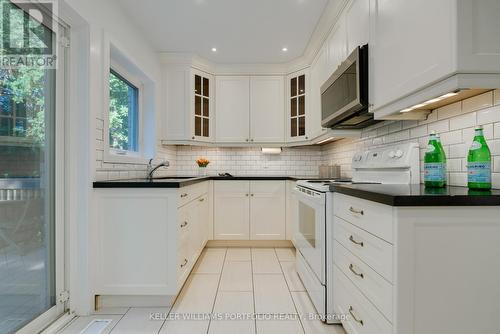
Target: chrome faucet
pixel 152 169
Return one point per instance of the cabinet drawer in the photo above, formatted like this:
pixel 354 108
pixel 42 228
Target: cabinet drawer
pixel 374 251
pixel 370 216
pixel 361 316
pixel 371 284
pixel 184 264
pixel 189 193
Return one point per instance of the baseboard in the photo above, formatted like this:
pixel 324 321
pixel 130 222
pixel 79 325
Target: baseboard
pixel 250 243
pixel 133 301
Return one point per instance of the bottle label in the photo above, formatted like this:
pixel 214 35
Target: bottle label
pixel 479 172
pixel 435 172
pixel 475 145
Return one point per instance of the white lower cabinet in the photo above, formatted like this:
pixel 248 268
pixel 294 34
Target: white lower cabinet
pixel 249 210
pixel 414 270
pixel 147 240
pixel 267 210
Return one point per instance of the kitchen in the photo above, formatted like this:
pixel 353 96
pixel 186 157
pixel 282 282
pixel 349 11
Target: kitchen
pixel 232 166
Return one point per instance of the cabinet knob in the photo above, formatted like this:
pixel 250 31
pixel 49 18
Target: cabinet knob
pixel 246 195
pixel 192 137
pixel 246 139
pixel 307 137
pixel 251 139
pixel 251 195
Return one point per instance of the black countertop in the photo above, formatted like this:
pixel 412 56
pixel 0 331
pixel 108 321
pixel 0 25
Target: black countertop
pixel 182 181
pixel 418 195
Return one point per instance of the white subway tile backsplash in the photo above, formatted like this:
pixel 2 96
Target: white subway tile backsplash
pixel 478 102
pixel 453 137
pixel 489 115
pixel 439 126
pixel 450 110
pixel 463 121
pixel 457 151
pixel 496 97
pixel 419 131
pixel 456 128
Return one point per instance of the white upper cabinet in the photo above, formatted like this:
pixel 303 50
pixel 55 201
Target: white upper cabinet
pixel 423 49
pixel 357 24
pixel 337 45
pixel 232 109
pixel 250 109
pixel 412 45
pixel 189 104
pixel 298 118
pixel 267 109
pixel 318 76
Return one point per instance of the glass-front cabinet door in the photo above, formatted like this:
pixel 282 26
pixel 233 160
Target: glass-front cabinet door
pixel 203 111
pixel 297 105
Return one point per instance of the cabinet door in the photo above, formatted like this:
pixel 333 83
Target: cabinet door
pixel 412 45
pixel 337 46
pixel 231 210
pixel 267 110
pixel 233 109
pixel 267 210
pixel 202 104
pixel 357 24
pixel 298 104
pixel 317 78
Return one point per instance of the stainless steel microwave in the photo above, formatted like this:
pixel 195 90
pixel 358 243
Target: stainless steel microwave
pixel 344 96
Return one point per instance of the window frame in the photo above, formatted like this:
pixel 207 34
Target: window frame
pixel 123 156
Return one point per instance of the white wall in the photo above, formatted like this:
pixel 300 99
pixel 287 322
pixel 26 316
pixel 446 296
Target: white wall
pixel 108 20
pixel 455 123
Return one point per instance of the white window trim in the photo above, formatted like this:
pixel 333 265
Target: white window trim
pixel 113 155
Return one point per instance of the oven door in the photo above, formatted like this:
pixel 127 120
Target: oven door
pixel 310 233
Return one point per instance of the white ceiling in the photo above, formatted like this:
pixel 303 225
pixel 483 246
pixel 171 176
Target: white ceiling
pixel 243 31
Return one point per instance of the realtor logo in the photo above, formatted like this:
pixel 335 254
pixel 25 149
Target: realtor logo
pixel 28 34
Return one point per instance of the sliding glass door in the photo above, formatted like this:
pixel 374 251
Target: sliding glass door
pixel 31 192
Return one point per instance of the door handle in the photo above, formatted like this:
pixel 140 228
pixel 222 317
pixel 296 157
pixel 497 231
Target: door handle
pixel 356 211
pixel 360 243
pixel 351 310
pixel 351 268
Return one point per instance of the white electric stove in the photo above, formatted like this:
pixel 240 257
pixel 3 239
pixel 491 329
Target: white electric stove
pixel 398 164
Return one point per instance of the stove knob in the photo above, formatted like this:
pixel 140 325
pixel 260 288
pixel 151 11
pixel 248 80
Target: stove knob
pixel 392 154
pixel 399 154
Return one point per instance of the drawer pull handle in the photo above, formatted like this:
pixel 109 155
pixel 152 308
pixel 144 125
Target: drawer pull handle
pixel 351 268
pixel 201 199
pixel 351 309
pixel 360 243
pixel 184 224
pixel 353 210
pixel 184 264
pixel 183 195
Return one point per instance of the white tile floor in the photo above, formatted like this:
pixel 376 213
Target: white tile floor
pixel 229 282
